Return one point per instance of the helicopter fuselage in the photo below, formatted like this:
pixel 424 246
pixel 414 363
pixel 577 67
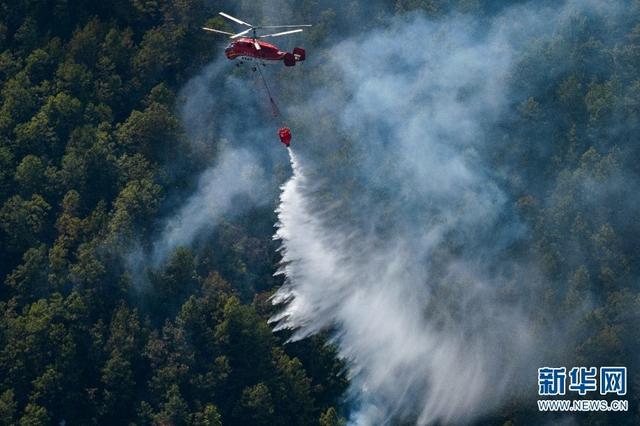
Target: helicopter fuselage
pixel 246 48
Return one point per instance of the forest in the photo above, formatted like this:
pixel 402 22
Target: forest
pixel 95 155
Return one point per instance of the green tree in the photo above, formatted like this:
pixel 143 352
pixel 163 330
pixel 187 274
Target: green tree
pixel 23 221
pixel 29 280
pixel 174 408
pixel 330 418
pixel 119 388
pixel 8 407
pixel 208 417
pixel 151 132
pixel 30 174
pixel 34 415
pixel 256 406
pixel 135 204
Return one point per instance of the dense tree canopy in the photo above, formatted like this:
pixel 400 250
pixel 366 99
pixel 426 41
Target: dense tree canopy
pixel 87 123
pixel 88 132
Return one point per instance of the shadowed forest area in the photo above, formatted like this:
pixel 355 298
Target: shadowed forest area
pixel 94 156
pixel 88 129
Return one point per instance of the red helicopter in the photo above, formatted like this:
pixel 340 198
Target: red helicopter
pixel 251 47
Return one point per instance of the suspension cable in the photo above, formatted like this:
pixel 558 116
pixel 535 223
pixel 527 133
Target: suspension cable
pixel 274 108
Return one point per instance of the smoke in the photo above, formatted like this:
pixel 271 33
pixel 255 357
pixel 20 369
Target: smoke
pixel 226 103
pixel 405 358
pixel 397 234
pixel 410 256
pixel 235 175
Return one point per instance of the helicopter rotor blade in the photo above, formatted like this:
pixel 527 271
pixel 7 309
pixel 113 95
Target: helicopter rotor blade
pixel 241 33
pixel 217 31
pixel 284 26
pixel 226 15
pixel 257 45
pixel 282 33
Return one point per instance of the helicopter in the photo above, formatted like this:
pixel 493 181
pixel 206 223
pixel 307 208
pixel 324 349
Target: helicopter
pixel 248 45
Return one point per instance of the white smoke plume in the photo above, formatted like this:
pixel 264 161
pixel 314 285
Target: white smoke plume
pixel 235 174
pixel 218 102
pixel 433 314
pixel 413 274
pixel 372 292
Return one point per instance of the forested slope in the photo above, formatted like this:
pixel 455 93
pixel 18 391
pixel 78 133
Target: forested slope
pixel 87 125
pixel 89 141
